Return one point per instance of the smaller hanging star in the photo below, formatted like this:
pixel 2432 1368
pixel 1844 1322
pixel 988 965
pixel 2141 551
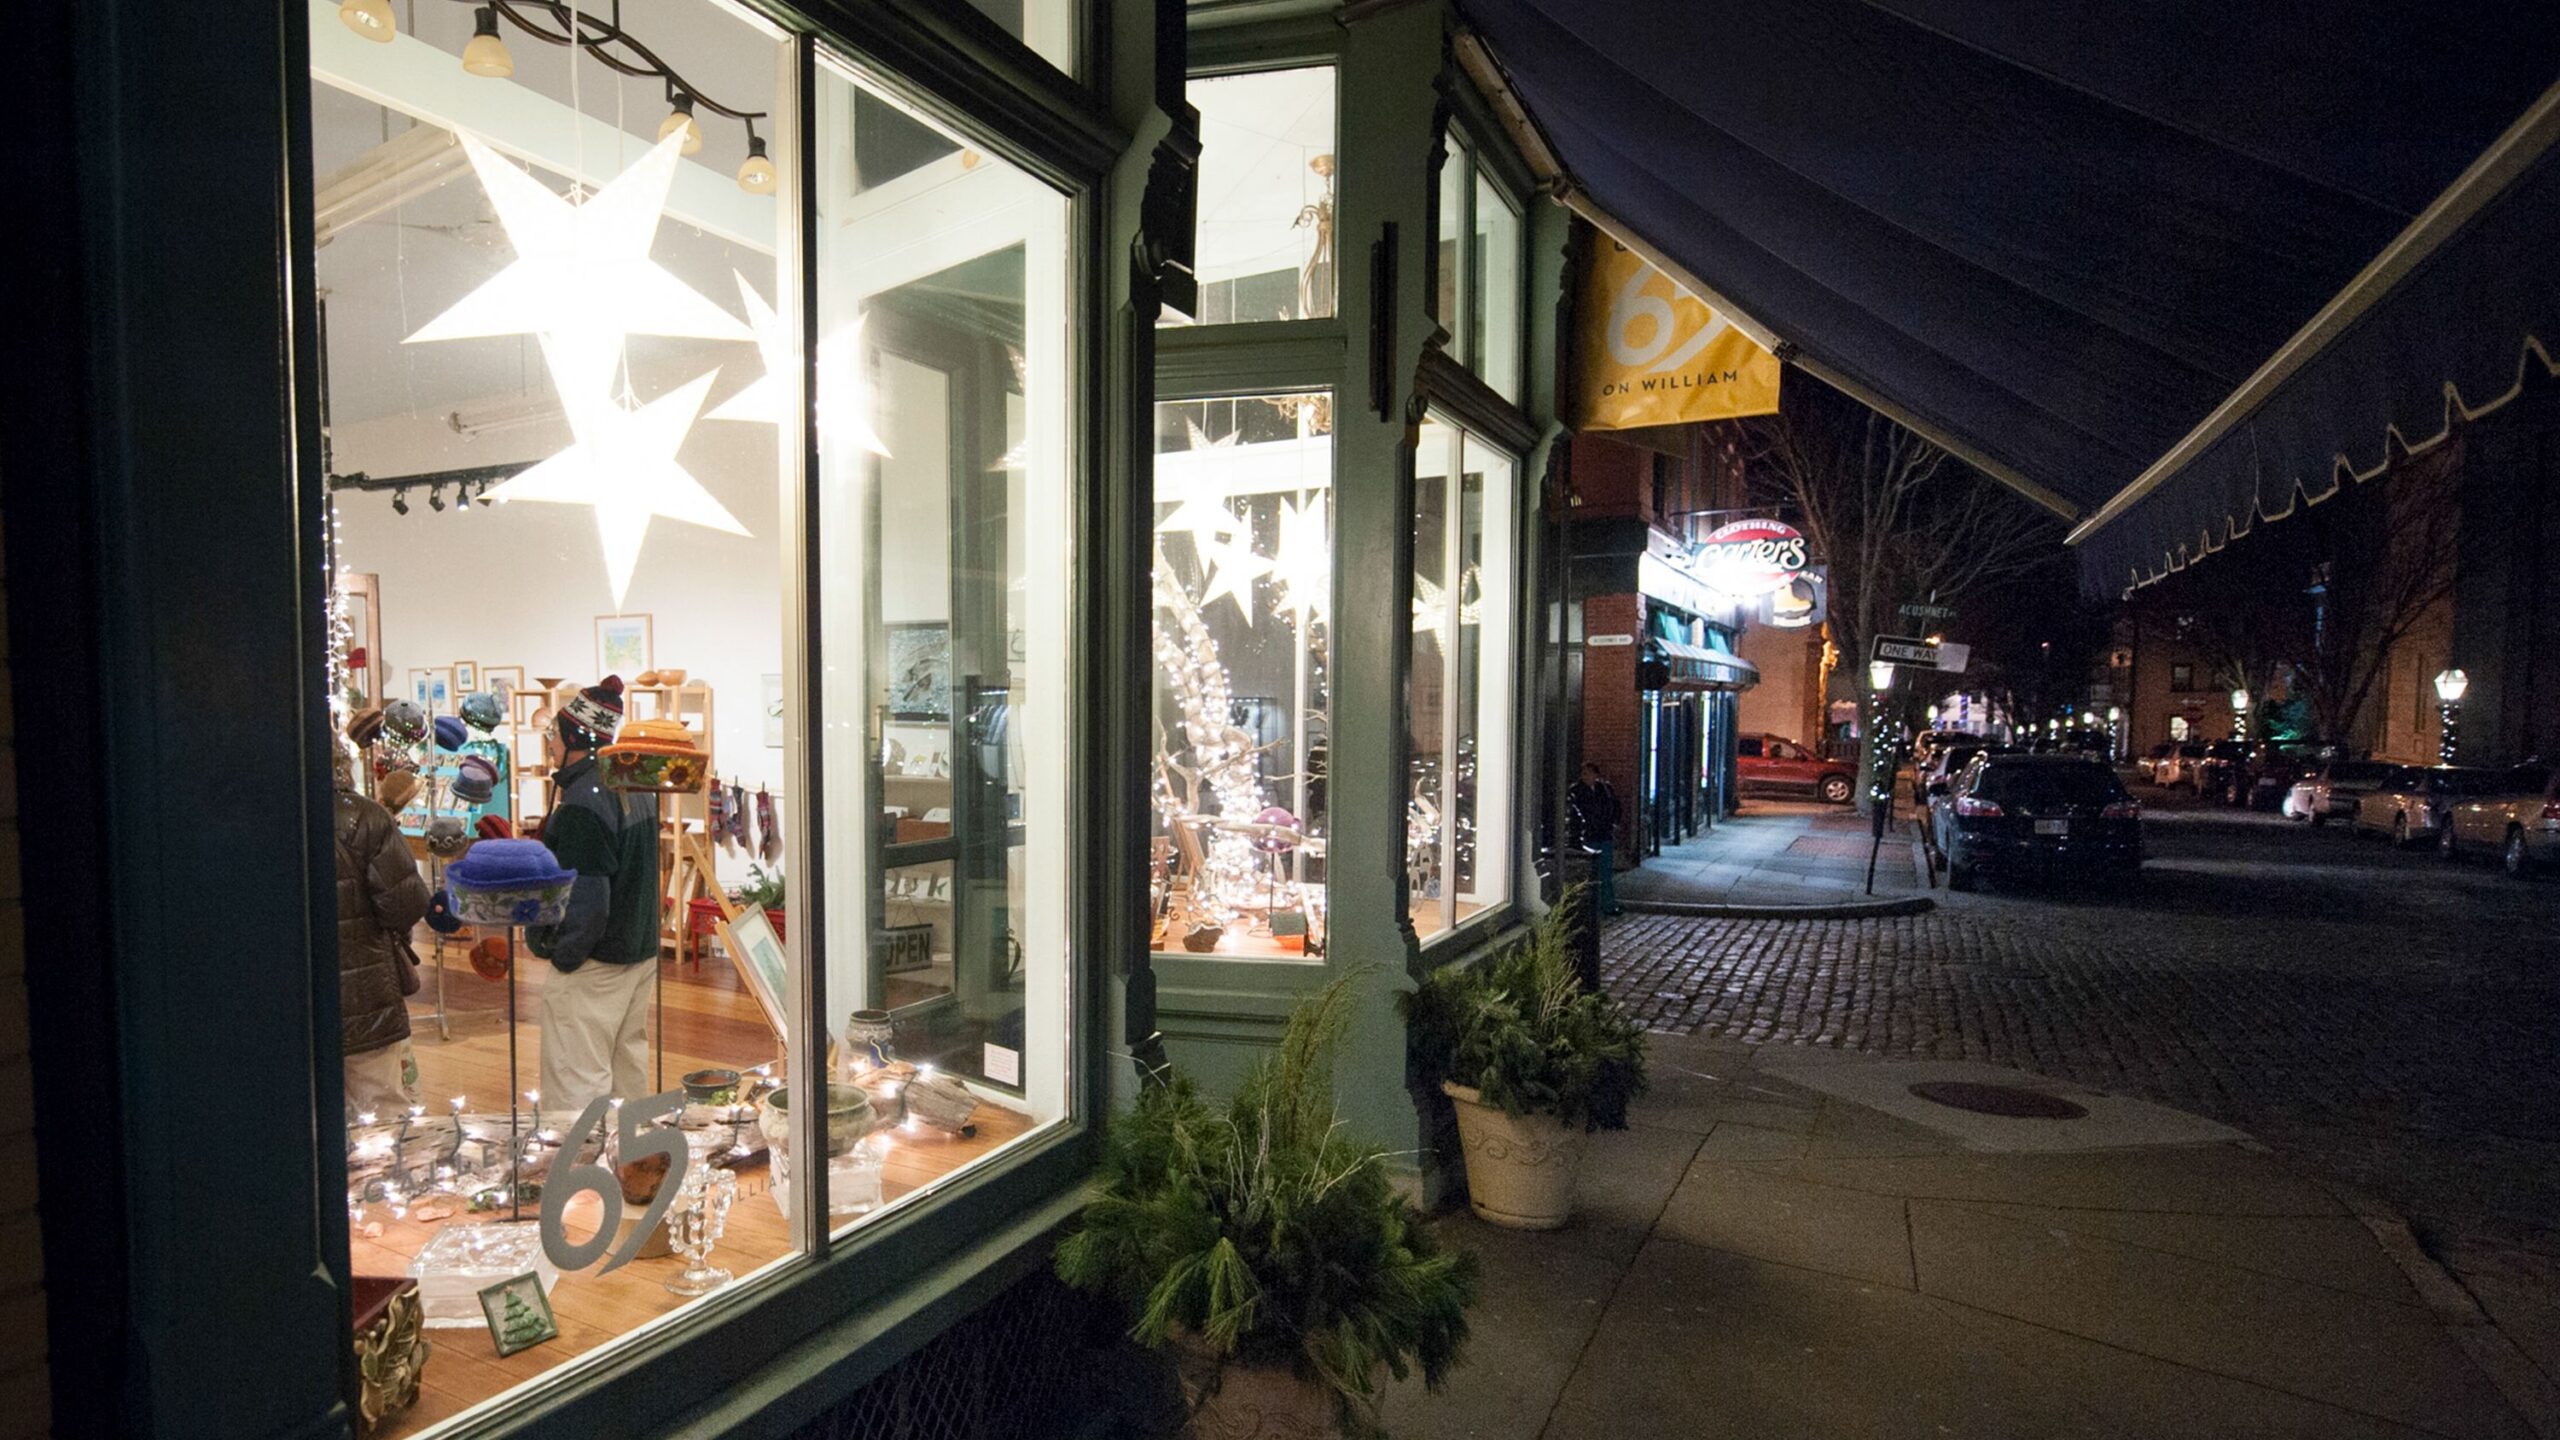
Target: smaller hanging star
pixel 1430 609
pixel 623 463
pixel 1228 573
pixel 1303 562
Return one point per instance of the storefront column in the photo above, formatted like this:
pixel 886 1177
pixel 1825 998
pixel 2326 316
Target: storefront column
pixel 1388 103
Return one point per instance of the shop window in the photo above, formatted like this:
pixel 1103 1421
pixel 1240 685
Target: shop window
pixel 561 474
pixel 1477 290
pixel 1047 26
pixel 1267 181
pixel 943 489
pixel 562 398
pixel 1243 591
pixel 1458 812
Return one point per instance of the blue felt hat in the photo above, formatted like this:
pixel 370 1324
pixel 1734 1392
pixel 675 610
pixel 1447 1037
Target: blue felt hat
pixel 450 732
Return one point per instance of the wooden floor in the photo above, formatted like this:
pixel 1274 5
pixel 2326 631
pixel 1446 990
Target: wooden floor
pixel 706 1018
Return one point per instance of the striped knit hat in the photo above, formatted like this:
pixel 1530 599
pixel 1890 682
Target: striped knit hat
pixel 590 718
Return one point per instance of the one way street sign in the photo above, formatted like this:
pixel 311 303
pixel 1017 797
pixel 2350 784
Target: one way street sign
pixel 1908 650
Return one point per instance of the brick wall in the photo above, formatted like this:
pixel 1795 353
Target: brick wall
pixel 1612 723
pixel 25 1402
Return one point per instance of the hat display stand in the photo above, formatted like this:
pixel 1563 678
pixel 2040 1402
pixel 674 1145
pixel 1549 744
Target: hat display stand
pixel 521 899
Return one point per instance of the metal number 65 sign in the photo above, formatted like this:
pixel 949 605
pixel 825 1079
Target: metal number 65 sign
pixel 637 1135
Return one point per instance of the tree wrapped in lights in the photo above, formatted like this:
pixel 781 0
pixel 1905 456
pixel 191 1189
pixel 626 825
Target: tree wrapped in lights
pixel 1219 778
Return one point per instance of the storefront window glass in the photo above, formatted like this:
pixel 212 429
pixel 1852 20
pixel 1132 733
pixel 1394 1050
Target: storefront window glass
pixel 1243 590
pixel 1047 26
pixel 1267 185
pixel 1458 814
pixel 1477 288
pixel 942 604
pixel 562 472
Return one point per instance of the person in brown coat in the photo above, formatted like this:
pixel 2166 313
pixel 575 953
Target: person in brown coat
pixel 381 897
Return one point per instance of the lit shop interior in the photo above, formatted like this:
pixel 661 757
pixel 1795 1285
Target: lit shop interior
pixel 566 460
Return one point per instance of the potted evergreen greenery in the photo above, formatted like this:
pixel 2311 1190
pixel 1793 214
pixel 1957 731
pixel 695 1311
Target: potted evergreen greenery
pixel 1266 1248
pixel 1533 1063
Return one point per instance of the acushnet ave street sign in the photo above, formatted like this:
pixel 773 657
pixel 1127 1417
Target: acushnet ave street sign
pixel 1911 650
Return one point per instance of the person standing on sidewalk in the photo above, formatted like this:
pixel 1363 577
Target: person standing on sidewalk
pixel 1594 806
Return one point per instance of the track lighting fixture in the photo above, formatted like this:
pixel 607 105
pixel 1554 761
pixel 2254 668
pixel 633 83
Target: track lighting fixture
pixel 487 54
pixel 371 19
pixel 755 175
pixel 435 497
pixel 400 501
pixel 681 118
pixel 484 494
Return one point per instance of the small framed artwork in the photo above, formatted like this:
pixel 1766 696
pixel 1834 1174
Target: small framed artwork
pixel 432 687
pixel 519 1314
pixel 360 601
pixel 623 646
pixel 773 712
pixel 502 681
pixel 920 671
pixel 752 946
pixel 466 677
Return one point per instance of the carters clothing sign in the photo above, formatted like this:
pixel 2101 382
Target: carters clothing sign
pixel 1653 354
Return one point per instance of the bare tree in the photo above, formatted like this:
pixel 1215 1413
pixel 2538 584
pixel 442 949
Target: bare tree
pixel 1896 517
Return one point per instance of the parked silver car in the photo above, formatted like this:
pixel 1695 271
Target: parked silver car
pixel 2330 792
pixel 2519 823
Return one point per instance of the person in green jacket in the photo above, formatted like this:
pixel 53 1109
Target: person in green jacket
pixel 604 951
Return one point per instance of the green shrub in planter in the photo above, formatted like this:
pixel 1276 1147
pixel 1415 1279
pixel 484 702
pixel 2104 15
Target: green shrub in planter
pixel 1260 1233
pixel 1520 1028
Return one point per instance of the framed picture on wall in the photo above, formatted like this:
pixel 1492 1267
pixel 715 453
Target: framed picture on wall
pixel 360 601
pixel 623 646
pixel 466 677
pixel 920 671
pixel 432 687
pixel 502 681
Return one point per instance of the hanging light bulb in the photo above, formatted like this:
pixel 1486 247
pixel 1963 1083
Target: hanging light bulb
pixel 371 19
pixel 755 174
pixel 681 118
pixel 487 54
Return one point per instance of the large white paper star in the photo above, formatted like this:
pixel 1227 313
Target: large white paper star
pixel 1303 561
pixel 1228 573
pixel 1204 518
pixel 624 464
pixel 844 396
pixel 582 273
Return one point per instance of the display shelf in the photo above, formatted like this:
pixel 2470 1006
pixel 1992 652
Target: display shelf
pixel 708 1020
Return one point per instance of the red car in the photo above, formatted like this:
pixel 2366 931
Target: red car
pixel 1774 762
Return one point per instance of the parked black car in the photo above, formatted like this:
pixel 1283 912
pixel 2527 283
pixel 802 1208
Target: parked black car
pixel 2040 815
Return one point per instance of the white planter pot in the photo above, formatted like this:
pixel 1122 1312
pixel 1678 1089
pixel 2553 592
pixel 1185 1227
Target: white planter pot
pixel 1520 1171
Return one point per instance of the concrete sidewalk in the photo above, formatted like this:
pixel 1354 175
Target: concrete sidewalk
pixel 1790 1244
pixel 1778 853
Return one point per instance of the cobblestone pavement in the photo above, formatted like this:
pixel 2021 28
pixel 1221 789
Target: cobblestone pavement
pixel 2384 1018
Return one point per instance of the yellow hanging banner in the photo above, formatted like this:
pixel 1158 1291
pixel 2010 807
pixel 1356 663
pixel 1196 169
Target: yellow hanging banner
pixel 1653 354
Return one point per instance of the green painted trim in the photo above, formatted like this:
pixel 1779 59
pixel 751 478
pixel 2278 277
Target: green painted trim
pixel 1269 357
pixel 833 1361
pixel 1232 40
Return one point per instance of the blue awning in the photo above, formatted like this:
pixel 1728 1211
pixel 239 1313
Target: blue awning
pixel 2064 237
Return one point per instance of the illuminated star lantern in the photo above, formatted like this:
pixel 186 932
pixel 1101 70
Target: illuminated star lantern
pixel 1228 573
pixel 1430 609
pixel 844 397
pixel 582 276
pixel 1303 562
pixel 624 464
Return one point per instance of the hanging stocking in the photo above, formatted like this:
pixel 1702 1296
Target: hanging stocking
pixel 738 818
pixel 770 824
pixel 718 822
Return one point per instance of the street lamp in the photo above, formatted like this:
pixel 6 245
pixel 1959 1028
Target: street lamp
pixel 1879 682
pixel 2449 687
pixel 1880 675
pixel 2115 732
pixel 2239 714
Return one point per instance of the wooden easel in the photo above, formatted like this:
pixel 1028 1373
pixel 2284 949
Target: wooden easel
pixel 695 872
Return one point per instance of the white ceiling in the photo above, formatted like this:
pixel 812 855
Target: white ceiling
pixel 386 276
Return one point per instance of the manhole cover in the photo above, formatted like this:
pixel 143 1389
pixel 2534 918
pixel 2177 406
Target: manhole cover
pixel 2016 1102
